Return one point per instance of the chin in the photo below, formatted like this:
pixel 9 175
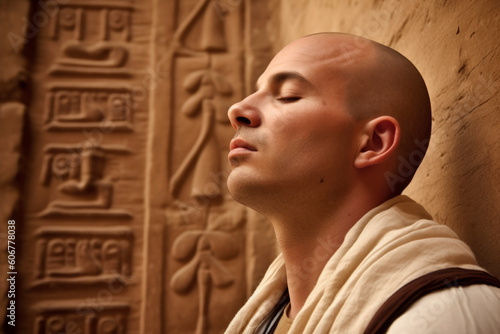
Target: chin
pixel 252 192
pixel 235 186
pixel 242 187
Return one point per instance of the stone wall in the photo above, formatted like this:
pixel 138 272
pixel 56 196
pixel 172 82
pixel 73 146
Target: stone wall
pixel 127 225
pixel 117 112
pixel 455 45
pixel 13 101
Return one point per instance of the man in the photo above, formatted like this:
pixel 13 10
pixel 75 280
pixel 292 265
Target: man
pixel 323 148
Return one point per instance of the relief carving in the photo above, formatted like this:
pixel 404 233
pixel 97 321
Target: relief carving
pixel 213 29
pixel 86 52
pixel 100 54
pixel 204 231
pixel 207 87
pixel 76 106
pixel 77 255
pixel 72 317
pixel 204 250
pixel 80 171
pixel 69 19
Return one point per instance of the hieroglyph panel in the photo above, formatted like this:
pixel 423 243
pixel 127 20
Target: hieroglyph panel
pixel 205 232
pixel 79 317
pixel 81 106
pixel 82 188
pixel 100 48
pixel 84 175
pixel 206 63
pixel 80 255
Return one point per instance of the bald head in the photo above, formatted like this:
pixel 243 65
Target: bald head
pixel 375 80
pixel 331 116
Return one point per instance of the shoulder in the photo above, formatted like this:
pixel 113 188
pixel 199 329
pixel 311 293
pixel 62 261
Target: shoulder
pixel 473 309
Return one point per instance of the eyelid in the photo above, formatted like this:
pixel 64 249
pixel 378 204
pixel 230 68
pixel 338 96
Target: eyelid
pixel 288 95
pixel 290 89
pixel 288 99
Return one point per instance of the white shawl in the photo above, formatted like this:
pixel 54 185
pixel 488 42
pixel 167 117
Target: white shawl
pixel 388 247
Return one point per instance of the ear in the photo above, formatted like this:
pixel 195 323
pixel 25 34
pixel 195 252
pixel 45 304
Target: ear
pixel 379 141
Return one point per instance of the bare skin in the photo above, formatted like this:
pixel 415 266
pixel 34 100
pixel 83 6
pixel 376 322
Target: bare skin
pixel 331 114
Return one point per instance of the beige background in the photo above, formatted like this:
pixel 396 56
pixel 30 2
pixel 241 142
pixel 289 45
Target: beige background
pixel 158 163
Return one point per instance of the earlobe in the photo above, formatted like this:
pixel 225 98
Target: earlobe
pixel 379 142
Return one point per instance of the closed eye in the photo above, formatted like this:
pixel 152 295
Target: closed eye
pixel 288 99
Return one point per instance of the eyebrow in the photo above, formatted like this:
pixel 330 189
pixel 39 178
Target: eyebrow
pixel 280 77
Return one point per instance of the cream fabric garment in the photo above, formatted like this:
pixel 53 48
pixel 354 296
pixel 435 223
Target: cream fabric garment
pixel 387 248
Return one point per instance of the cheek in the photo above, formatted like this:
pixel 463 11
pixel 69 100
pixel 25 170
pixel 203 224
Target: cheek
pixel 308 136
pixel 319 146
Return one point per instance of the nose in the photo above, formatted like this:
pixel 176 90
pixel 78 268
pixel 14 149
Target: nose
pixel 244 113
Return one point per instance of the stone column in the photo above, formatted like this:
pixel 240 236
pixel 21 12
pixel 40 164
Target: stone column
pixel 205 253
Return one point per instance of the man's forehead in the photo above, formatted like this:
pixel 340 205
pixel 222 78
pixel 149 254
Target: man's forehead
pixel 328 53
pixel 279 77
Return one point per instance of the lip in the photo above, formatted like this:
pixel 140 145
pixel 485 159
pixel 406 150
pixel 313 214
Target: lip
pixel 239 146
pixel 240 143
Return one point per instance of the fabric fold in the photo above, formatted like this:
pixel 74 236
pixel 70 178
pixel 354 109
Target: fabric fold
pixel 388 247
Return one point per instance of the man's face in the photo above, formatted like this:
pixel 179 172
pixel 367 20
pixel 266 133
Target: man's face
pixel 293 133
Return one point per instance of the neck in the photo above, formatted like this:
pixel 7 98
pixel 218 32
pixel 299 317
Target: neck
pixel 308 242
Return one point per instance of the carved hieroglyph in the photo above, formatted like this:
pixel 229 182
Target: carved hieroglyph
pixel 209 265
pixel 104 52
pixel 77 317
pixel 206 267
pixel 89 93
pixel 204 250
pixel 125 180
pixel 206 92
pixel 93 38
pixel 85 169
pixel 203 159
pixel 77 106
pixel 83 188
pixel 206 236
pixel 77 255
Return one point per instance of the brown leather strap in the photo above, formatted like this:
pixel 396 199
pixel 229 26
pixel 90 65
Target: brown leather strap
pixel 402 299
